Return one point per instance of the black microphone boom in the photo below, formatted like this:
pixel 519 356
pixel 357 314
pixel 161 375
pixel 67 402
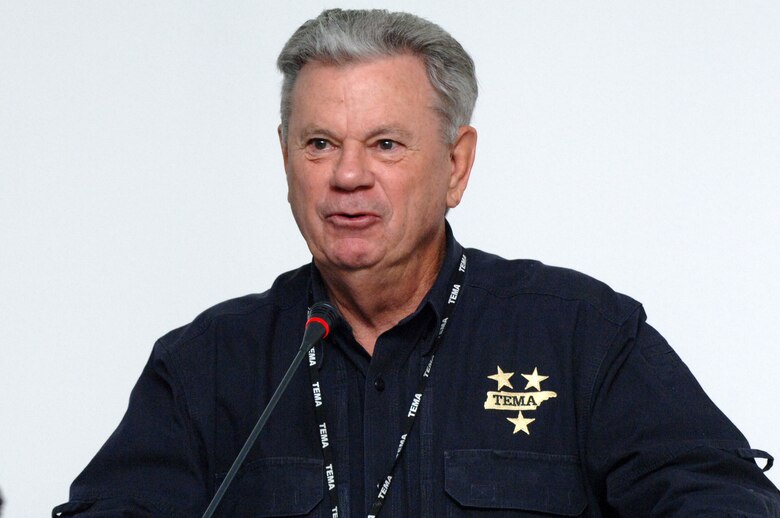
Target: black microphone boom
pixel 322 316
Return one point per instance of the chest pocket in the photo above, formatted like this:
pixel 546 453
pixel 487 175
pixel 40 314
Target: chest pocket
pixel 283 486
pixel 513 484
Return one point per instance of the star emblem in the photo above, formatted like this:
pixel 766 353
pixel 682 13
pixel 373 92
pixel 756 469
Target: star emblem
pixel 534 379
pixel 520 422
pixel 502 378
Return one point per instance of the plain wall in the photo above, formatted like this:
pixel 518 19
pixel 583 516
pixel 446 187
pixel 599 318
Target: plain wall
pixel 141 182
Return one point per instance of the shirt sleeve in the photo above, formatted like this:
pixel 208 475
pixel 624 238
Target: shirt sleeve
pixel 658 446
pixel 154 463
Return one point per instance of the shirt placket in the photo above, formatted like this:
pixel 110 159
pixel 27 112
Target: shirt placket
pixel 381 420
pixel 393 377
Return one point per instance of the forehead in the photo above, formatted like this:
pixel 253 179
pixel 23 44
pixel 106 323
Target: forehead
pixel 381 88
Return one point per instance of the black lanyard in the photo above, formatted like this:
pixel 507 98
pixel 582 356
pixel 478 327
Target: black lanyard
pixel 319 405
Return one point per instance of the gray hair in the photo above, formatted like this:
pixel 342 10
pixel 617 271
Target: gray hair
pixel 339 37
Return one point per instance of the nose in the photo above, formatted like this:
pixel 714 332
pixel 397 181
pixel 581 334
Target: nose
pixel 351 171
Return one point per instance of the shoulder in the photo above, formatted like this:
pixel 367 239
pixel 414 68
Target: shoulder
pixel 245 312
pixel 525 278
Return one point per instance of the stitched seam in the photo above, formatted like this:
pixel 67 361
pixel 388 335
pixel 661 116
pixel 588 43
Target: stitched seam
pixel 559 297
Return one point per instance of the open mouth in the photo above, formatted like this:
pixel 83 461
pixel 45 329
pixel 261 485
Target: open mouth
pixel 353 220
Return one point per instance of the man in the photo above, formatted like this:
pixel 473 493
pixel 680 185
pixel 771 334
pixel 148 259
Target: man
pixel 549 394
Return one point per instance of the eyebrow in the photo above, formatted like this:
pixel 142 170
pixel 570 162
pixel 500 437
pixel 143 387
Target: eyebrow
pixel 315 130
pixel 388 130
pixel 393 131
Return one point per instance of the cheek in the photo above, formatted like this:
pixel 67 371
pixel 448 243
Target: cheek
pixel 433 192
pixel 420 204
pixel 297 187
pixel 296 197
pixel 303 195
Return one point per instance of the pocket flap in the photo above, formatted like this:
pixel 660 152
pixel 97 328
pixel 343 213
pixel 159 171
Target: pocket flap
pixel 281 486
pixel 503 479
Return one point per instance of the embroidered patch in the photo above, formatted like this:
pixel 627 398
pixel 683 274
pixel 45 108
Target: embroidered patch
pixel 518 401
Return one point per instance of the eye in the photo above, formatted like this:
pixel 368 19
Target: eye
pixel 320 144
pixel 386 144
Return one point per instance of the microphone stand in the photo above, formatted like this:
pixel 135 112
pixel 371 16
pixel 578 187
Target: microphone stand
pixel 322 314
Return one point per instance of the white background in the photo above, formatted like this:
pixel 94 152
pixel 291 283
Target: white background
pixel 141 182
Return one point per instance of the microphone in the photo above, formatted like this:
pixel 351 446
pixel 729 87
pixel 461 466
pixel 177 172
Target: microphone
pixel 322 316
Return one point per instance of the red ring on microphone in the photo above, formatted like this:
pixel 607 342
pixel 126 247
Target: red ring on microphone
pixel 321 322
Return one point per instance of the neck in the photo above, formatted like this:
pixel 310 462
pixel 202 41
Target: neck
pixel 375 301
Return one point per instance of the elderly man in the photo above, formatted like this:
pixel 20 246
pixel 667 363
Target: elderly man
pixel 549 394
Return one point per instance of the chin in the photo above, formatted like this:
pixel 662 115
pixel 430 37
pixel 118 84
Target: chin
pixel 353 258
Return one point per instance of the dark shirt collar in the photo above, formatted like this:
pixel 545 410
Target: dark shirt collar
pixel 437 297
pixel 440 291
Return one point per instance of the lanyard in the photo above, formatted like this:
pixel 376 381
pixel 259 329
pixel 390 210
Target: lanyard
pixel 319 405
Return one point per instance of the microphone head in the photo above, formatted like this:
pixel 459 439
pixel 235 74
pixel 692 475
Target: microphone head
pixel 325 314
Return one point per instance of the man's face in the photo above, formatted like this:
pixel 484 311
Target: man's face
pixel 368 172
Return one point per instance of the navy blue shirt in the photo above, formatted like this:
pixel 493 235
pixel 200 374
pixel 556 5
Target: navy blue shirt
pixel 549 394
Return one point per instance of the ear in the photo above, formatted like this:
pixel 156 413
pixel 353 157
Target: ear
pixel 283 145
pixel 462 159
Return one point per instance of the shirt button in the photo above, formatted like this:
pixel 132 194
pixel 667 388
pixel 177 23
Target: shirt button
pixel 379 383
